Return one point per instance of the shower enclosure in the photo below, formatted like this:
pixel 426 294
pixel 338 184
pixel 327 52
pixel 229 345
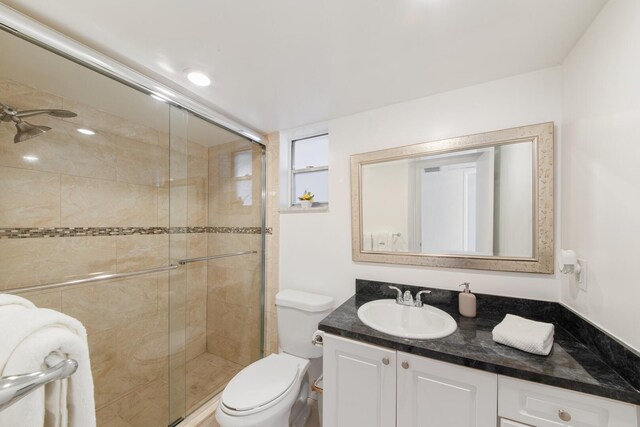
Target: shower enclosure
pixel 140 218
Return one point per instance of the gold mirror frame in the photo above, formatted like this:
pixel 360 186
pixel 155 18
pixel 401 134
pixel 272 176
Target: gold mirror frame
pixel 542 260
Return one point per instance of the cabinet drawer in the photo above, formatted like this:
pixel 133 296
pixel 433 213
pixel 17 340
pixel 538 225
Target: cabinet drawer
pixel 508 423
pixel 546 406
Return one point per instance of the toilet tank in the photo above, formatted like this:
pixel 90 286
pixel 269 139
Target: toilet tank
pixel 298 316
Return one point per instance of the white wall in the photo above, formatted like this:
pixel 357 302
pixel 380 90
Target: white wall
pixel 316 247
pixel 601 169
pixel 385 197
pixel 514 213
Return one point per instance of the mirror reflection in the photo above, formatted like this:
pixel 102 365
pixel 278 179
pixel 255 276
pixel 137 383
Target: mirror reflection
pixel 475 202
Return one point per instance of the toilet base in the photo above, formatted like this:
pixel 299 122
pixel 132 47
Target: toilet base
pixel 301 410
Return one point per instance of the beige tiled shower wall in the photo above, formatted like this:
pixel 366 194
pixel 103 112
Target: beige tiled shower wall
pixel 197 216
pixel 234 284
pixel 118 177
pixel 272 261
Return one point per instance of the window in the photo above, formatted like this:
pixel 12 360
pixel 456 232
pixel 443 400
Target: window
pixel 310 169
pixel 242 176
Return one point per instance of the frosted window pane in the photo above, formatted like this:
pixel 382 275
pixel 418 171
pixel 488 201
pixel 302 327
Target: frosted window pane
pixel 315 182
pixel 242 164
pixel 311 152
pixel 244 189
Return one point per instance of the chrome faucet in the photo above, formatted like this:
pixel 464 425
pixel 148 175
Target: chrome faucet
pixel 407 298
pixel 419 299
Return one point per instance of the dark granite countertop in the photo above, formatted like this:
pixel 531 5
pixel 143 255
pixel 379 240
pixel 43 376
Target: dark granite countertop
pixel 571 364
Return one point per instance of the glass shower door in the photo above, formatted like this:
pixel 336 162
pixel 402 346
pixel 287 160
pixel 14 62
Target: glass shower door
pixel 86 196
pixel 216 300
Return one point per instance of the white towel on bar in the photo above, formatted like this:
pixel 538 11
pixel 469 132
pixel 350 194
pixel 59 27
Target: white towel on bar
pixel 7 300
pixel 524 334
pixel 28 336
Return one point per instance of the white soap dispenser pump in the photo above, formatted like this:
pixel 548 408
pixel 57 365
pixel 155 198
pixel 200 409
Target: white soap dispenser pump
pixel 467 302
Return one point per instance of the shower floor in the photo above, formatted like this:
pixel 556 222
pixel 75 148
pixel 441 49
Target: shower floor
pixel 207 374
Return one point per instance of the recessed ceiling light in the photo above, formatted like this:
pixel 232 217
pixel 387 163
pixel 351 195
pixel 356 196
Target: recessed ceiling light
pixel 198 78
pixel 86 131
pixel 30 159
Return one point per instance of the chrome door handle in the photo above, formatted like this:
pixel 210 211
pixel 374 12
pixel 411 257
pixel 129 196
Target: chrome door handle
pixel 385 360
pixel 405 365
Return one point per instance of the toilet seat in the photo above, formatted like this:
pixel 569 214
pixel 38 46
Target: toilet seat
pixel 261 385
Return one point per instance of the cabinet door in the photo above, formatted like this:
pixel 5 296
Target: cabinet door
pixel 436 394
pixel 359 384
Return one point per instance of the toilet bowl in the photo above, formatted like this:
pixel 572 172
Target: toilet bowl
pixel 273 391
pixel 264 393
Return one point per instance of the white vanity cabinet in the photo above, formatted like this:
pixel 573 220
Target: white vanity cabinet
pixel 359 384
pixel 370 386
pixel 436 394
pixel 509 423
pixel 365 385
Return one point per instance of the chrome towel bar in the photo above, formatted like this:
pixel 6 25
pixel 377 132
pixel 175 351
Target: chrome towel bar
pixel 90 279
pixel 15 387
pixel 207 258
pixel 110 276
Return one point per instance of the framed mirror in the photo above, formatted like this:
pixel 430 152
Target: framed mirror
pixel 481 201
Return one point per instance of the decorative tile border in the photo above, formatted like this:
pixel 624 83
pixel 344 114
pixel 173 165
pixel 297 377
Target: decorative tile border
pixel 34 233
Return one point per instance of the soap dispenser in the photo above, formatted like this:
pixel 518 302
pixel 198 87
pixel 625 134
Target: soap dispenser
pixel 467 302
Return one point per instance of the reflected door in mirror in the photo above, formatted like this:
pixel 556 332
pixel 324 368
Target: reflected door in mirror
pixel 476 202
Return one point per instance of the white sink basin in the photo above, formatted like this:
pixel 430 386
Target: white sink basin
pixel 426 322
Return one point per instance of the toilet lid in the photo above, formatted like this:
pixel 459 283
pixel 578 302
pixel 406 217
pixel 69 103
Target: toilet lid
pixel 260 383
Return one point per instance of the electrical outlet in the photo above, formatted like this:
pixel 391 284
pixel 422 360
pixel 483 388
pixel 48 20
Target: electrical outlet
pixel 581 277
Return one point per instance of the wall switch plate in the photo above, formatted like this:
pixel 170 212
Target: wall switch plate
pixel 581 277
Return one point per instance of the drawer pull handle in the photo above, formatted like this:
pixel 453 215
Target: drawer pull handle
pixel 385 360
pixel 564 415
pixel 405 365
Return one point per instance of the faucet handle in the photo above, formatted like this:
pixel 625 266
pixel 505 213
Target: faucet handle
pixel 399 296
pixel 408 298
pixel 418 302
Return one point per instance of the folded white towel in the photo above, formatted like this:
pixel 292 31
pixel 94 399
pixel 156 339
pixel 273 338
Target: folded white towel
pixel 7 300
pixel 524 334
pixel 28 337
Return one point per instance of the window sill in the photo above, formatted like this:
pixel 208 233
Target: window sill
pixel 297 209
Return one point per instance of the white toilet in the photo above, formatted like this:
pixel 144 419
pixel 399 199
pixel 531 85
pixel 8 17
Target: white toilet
pixel 273 391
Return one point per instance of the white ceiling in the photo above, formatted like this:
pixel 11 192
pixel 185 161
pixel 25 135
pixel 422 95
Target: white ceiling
pixel 278 64
pixel 30 65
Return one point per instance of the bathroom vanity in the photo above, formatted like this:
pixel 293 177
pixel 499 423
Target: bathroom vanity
pixel 466 379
